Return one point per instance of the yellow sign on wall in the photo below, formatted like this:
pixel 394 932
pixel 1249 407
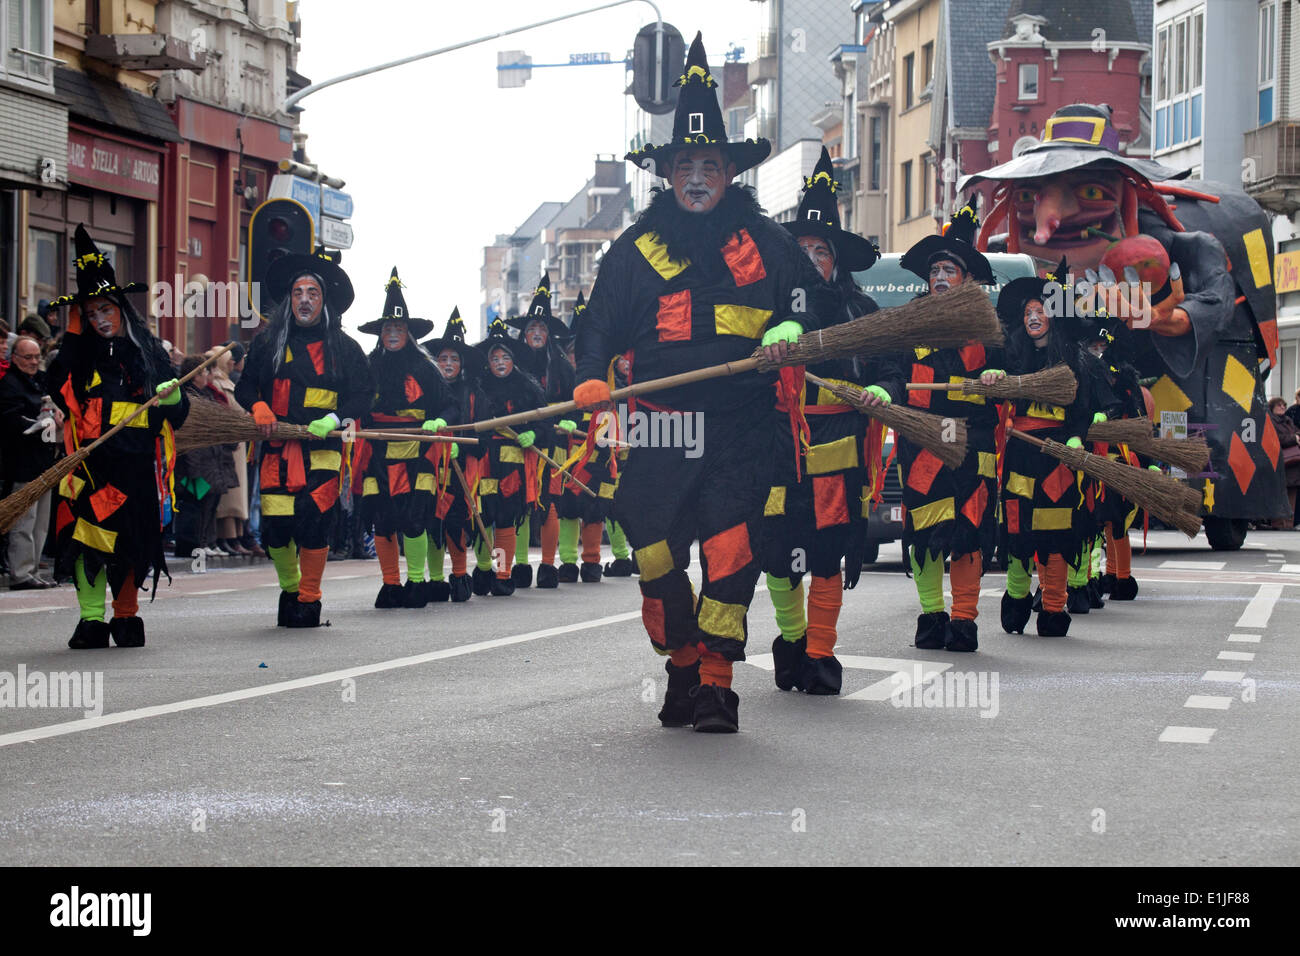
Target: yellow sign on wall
pixel 1286 272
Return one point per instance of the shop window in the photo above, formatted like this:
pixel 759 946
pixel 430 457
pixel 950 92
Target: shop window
pixel 43 258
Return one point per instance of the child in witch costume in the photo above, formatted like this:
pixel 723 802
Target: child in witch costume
pixel 304 370
pixel 451 527
pixel 399 491
pixel 108 521
pixel 1041 498
pixel 541 355
pixel 950 511
pixel 509 476
pixel 815 518
pixel 700 279
pixel 581 517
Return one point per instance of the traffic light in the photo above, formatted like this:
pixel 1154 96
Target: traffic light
pixel 278 227
pixel 668 68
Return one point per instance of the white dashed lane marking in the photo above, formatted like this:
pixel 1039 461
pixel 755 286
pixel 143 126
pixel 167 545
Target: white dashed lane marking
pixel 1194 565
pixel 1224 677
pixel 1186 735
pixel 1236 656
pixel 1244 638
pixel 1208 702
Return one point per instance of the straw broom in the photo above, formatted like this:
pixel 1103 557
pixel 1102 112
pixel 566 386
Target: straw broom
pixel 1167 498
pixel 926 430
pixel 1055 386
pixel 954 319
pixel 18 504
pixel 1192 454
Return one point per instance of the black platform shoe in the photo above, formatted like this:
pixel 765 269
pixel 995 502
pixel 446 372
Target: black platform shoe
pixel 1125 589
pixel 619 568
pixel 521 575
pixel 502 587
pixel 1107 583
pixel 460 588
pixel 787 660
pixel 414 594
pixel 305 615
pixel 591 572
pixel 547 576
pixel 1076 601
pixel 568 573
pixel 89 635
pixel 287 600
pixel 932 631
pixel 717 710
pixel 438 591
pixel 821 676
pixel 1016 613
pixel 1053 623
pixel 482 580
pixel 1095 600
pixel 127 631
pixel 963 635
pixel 679 707
pixel 390 595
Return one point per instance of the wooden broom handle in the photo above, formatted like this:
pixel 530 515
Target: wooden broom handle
pixel 473 504
pixel 511 433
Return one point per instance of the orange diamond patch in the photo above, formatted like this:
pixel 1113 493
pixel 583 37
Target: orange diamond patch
pixel 1272 447
pixel 1243 469
pixel 1056 483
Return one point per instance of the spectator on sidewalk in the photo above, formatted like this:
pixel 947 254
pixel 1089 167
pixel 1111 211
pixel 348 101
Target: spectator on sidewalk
pixel 1288 436
pixel 232 509
pixel 202 476
pixel 30 429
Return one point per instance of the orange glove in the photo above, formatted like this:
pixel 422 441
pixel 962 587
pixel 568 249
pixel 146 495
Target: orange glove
pixel 592 393
pixel 262 414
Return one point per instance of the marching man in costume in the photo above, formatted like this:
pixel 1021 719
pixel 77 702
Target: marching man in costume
pixel 304 370
pixel 950 511
pixel 701 278
pixel 812 521
pixel 541 355
pixel 109 520
pixel 451 527
pixel 398 493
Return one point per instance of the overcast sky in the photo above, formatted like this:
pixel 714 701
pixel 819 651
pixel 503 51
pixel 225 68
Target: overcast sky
pixel 438 159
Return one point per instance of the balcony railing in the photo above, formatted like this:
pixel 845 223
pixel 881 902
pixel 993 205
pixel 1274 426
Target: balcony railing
pixel 1271 173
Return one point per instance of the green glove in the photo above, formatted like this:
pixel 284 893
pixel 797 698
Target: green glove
pixel 995 371
pixel 171 399
pixel 455 450
pixel 1098 417
pixel 566 426
pixel 1075 442
pixel 787 331
pixel 526 439
pixel 880 393
pixel 437 425
pixel 1154 468
pixel 321 427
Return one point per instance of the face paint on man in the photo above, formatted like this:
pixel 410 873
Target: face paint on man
pixel 1054 215
pixel 536 334
pixel 944 275
pixel 394 336
pixel 501 362
pixel 1036 322
pixel 700 178
pixel 306 300
pixel 104 317
pixel 821 254
pixel 448 361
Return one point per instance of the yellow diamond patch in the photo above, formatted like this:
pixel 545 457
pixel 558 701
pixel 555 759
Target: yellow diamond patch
pixel 1238 383
pixel 1168 397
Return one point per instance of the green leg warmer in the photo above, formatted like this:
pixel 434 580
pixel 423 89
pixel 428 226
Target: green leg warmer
pixel 1077 570
pixel 90 594
pixel 417 553
pixel 569 531
pixel 929 583
pixel 618 540
pixel 521 541
pixel 286 566
pixel 1096 557
pixel 435 560
pixel 483 555
pixel 787 600
pixel 1018 578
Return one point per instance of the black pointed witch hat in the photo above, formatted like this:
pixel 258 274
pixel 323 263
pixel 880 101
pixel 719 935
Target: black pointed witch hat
pixel 95 275
pixel 498 335
pixel 284 271
pixel 956 243
pixel 698 122
pixel 395 310
pixel 819 216
pixel 1013 296
pixel 575 322
pixel 453 337
pixel 540 311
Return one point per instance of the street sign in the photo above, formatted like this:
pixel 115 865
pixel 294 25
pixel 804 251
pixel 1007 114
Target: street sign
pixel 335 234
pixel 322 202
pixel 335 203
pixel 585 59
pixel 284 186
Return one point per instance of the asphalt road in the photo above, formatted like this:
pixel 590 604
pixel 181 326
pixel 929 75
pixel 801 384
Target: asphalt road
pixel 522 730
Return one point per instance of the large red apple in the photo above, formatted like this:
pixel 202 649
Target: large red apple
pixel 1143 253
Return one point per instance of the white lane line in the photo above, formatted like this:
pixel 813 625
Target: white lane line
pixel 214 591
pixel 1276 554
pixel 1186 735
pixel 1208 702
pixel 1260 607
pixel 1244 638
pixel 1236 655
pixel 212 700
pixel 1224 677
pixel 1290 569
pixel 33 610
pixel 1194 565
